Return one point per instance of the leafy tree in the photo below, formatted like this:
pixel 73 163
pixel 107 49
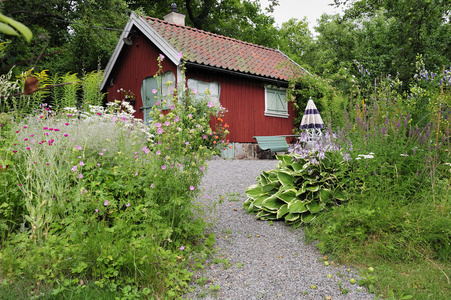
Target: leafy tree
pixel 296 41
pixel 240 19
pixel 411 27
pixel 68 35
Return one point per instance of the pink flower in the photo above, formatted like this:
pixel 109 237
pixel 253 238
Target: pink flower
pixel 25 139
pixel 212 266
pixel 154 91
pixel 100 153
pixel 50 129
pixel 182 248
pixel 180 55
pixel 172 107
pixel 82 163
pixel 128 204
pixel 46 133
pixel 48 164
pixel 14 151
pixel 204 136
pixel 106 202
pixel 159 130
pixel 78 147
pixel 136 174
pixel 56 129
pixel 31 135
pixel 152 186
pixel 67 124
pixel 201 168
pixel 167 123
pixel 45 128
pixel 69 115
pixel 96 210
pixel 80 176
pixel 146 150
pixel 194 91
pixel 99 114
pixel 157 103
pixel 176 119
pixel 192 188
pixel 163 167
pixel 158 152
pixel 25 127
pixel 161 57
pixel 187 143
pixel 66 135
pixel 28 148
pixel 124 119
pixel 158 125
pixel 210 104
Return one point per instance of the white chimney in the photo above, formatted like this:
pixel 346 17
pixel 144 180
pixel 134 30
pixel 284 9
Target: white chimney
pixel 174 16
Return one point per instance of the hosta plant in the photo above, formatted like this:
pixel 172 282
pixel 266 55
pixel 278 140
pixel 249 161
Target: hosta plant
pixel 298 190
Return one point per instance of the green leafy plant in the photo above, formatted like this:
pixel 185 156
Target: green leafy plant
pixel 298 190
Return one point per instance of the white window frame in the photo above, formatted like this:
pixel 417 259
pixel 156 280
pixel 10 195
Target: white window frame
pixel 194 84
pixel 272 113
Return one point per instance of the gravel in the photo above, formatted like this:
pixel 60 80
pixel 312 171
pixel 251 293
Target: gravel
pixel 256 259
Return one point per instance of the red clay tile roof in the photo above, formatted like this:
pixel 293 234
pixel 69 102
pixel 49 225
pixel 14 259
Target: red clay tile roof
pixel 223 52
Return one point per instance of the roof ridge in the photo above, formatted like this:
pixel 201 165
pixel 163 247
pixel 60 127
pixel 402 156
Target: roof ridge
pixel 212 34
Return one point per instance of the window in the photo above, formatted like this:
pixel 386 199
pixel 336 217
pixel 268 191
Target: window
pixel 276 104
pixel 164 85
pixel 201 87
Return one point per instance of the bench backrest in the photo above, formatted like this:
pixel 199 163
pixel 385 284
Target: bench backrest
pixel 273 143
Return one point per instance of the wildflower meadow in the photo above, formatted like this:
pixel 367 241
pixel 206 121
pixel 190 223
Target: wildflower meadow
pixel 94 201
pixel 374 189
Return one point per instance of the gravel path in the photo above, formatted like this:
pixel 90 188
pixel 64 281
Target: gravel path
pixel 257 259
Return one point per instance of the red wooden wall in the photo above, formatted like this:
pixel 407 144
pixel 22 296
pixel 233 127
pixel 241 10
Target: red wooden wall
pixel 135 63
pixel 243 97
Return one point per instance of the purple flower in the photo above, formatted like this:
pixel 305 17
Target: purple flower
pixel 201 168
pixel 182 248
pixel 106 203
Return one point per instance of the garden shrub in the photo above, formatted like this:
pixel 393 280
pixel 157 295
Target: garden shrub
pixel 98 198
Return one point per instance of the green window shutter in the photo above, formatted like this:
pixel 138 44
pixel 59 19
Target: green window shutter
pixel 276 102
pixel 149 98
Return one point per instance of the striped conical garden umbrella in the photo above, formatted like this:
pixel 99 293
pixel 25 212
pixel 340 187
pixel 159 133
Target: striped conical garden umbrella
pixel 311 119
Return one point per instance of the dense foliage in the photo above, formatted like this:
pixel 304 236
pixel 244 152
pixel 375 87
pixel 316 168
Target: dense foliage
pixel 91 199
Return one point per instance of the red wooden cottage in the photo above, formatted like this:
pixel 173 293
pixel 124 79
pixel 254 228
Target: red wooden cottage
pixel 249 80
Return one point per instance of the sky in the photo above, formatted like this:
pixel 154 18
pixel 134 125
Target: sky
pixel 312 9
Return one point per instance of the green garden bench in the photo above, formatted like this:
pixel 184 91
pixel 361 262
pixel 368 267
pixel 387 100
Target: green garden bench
pixel 277 143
